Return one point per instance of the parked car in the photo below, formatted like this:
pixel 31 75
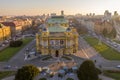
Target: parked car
pixel 118 66
pixel 3 45
pixel 7 67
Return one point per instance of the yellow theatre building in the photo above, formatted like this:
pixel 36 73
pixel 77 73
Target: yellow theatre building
pixel 5 33
pixel 57 38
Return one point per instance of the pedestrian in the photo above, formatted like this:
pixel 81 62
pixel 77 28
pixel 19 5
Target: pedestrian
pixel 28 56
pixel 95 61
pixel 15 67
pixel 35 54
pixel 100 66
pixel 27 50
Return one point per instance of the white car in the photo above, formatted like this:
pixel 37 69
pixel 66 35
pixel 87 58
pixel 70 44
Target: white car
pixel 32 53
pixel 115 45
pixel 108 41
pixel 118 66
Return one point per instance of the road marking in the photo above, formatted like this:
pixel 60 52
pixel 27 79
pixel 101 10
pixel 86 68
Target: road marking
pixel 82 49
pixel 85 54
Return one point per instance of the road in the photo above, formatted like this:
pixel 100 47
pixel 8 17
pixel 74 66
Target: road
pixel 87 52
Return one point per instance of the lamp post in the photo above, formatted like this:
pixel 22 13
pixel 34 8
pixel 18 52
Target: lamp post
pixel 26 54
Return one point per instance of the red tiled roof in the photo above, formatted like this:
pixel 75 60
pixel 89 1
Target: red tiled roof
pixel 9 24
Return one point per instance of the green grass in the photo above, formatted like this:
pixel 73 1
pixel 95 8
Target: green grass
pixel 106 51
pixel 4 74
pixel 114 75
pixel 9 52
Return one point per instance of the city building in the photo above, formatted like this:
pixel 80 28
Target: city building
pixel 57 38
pixel 5 33
pixel 15 29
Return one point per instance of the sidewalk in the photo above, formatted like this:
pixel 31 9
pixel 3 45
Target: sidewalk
pixel 3 47
pixel 105 77
pixel 64 78
pixel 9 78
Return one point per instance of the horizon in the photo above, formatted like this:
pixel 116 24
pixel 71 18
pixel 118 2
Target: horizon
pixel 71 7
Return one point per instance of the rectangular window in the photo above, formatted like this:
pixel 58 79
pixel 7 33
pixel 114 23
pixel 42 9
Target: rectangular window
pixel 61 42
pixel 52 42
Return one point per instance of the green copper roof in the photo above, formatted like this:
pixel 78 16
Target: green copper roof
pixel 56 29
pixel 57 19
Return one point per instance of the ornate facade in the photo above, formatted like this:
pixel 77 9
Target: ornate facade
pixel 57 38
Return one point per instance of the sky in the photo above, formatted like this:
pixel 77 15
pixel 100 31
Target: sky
pixel 38 7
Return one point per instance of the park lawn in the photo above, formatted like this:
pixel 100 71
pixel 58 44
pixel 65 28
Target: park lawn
pixel 106 51
pixel 9 52
pixel 4 74
pixel 114 75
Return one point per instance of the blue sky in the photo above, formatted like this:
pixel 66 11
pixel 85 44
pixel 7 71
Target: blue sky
pixel 36 7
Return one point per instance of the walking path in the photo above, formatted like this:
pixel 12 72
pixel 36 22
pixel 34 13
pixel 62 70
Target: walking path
pixel 9 78
pixel 3 47
pixel 105 78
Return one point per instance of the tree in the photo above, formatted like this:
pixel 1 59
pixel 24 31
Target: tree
pixel 113 33
pixel 69 79
pixel 105 32
pixel 87 71
pixel 16 43
pixel 27 73
pixel 42 79
pixel 81 28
